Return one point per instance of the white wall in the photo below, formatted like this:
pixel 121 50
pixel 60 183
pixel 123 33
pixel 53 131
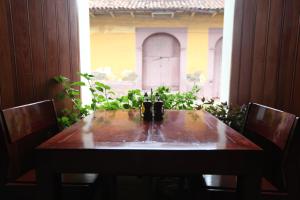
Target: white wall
pixel 84 38
pixel 227 49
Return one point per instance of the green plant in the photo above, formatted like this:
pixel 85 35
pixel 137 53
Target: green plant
pixel 132 100
pixel 70 91
pixel 179 100
pixel 102 99
pixel 233 116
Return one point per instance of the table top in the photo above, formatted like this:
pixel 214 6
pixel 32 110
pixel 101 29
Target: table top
pixel 124 129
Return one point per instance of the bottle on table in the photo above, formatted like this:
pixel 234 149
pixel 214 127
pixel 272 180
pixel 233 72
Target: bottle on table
pixel 158 108
pixel 147 108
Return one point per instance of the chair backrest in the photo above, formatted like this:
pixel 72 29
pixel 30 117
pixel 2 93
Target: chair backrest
pixel 22 129
pixel 272 130
pixel 291 164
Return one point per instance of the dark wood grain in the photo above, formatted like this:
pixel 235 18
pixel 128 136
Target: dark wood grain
pixel 190 130
pixel 265 57
pixel 7 75
pixel 260 50
pixel 30 119
pixel 21 130
pixel 272 130
pixel 236 52
pixel 292 165
pixel 39 40
pixel 295 96
pixel 121 143
pixel 247 50
pixel 63 37
pixel 51 45
pixel 273 53
pixel 274 125
pixel 275 132
pixel 22 50
pixel 290 40
pixel 36 14
pixel 74 39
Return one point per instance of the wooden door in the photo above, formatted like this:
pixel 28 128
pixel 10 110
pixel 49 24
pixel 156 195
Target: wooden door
pixel 161 62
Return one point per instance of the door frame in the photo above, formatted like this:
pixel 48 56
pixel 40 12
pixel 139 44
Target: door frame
pixel 214 35
pixel 179 33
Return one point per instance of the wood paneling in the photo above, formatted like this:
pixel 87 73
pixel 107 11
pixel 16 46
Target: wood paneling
pixel 265 61
pixel 289 58
pixel 40 40
pixel 8 86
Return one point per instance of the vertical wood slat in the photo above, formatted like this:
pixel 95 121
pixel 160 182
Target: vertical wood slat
pixel 260 50
pixel 8 85
pixel 38 47
pixel 295 96
pixel 247 50
pixel 270 74
pixel 63 45
pixel 74 39
pixel 51 44
pixel 236 49
pixel 22 49
pixel 273 52
pixel 39 40
pixel 290 38
pixel 63 36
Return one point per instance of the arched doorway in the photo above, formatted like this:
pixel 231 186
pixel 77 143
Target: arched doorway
pixel 217 68
pixel 161 62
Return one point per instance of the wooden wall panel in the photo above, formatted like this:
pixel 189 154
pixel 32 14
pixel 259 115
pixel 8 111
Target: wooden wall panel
pixel 74 38
pixel 22 50
pixel 259 50
pixel 273 46
pixel 236 48
pixel 8 86
pixel 40 40
pixel 290 44
pixel 51 43
pixel 63 37
pixel 295 98
pixel 265 59
pixel 247 45
pixel 37 30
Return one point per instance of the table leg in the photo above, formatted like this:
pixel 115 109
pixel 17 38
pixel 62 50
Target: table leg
pixel 48 183
pixel 109 187
pixel 248 187
pixel 197 187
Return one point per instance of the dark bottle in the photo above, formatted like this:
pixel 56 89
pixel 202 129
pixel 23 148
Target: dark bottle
pixel 147 108
pixel 158 108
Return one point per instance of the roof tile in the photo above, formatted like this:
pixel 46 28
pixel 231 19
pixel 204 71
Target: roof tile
pixel 156 4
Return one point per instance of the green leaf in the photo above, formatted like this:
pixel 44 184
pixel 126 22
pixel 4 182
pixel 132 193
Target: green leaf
pixel 100 89
pixel 86 76
pixel 61 79
pixel 78 83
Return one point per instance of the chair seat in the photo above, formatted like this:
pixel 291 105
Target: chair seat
pixel 75 186
pixel 226 182
pixel 30 178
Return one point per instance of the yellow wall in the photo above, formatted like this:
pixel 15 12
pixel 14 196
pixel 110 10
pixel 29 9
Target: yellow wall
pixel 113 40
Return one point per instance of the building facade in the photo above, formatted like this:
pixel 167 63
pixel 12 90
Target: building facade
pixel 149 48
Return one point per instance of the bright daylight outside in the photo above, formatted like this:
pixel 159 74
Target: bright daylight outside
pixel 142 44
pixel 175 50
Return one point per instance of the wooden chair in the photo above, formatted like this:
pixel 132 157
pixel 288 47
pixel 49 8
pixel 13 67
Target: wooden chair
pixel 274 131
pixel 22 129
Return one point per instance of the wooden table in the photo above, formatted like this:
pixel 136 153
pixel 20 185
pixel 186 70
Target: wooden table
pixel 120 143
